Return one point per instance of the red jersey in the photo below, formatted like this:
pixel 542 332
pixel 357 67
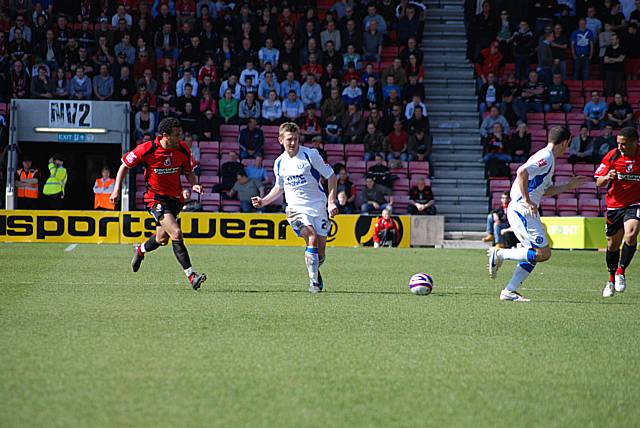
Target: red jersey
pixel 382 224
pixel 625 190
pixel 163 167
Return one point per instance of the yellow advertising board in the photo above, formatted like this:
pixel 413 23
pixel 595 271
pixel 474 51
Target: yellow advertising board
pixel 198 228
pixel 575 232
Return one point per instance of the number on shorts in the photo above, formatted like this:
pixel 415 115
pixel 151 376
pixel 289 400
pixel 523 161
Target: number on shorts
pixel 324 224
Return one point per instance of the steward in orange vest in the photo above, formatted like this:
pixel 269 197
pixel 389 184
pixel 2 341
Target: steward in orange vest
pixel 27 185
pixel 102 189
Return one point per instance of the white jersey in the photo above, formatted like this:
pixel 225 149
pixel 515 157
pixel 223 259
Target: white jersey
pixel 540 167
pixel 299 176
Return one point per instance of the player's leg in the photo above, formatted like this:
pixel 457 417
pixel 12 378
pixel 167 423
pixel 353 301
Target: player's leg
pixel 322 256
pixel 311 256
pixel 158 239
pixel 629 245
pixel 172 228
pixel 614 230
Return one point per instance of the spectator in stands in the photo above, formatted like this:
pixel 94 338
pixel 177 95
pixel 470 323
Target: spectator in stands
pixel 181 102
pixel 19 48
pixel 385 232
pixel 245 189
pixel 559 47
pixel 60 85
pixel 397 71
pixel 411 89
pixel 372 93
pixel 125 47
pixel 489 62
pixel 505 33
pixel 557 96
pixel 190 205
pixel 498 223
pixel 80 87
pixel 421 200
pixel 249 108
pixel 343 204
pixel 292 107
pixel 352 125
pixel 164 112
pixel 619 113
pixel 351 57
pixel 604 41
pixel 228 173
pixel 187 78
pixel 419 146
pixel 592 22
pixel 523 46
pixel 483 31
pixel 352 94
pixel 207 102
pixel 103 86
pixel 373 142
pixel 228 108
pixel 166 43
pixel 395 144
pixel 380 172
pixel 581 149
pixel 232 84
pixel 520 144
pixel 190 120
pixel 145 122
pixel 418 121
pixel 290 84
pixel 496 149
pixel 631 41
pixel 374 196
pixel 333 129
pixel 604 143
pixel 331 34
pixel 316 143
pixel 545 57
pixel 582 45
pixel 256 171
pixel 411 49
pixel 413 105
pixel 311 126
pixel 372 42
pixel 41 86
pixel 375 118
pixel 510 90
pixel 348 188
pixel 595 112
pixel 531 97
pixel 409 25
pixel 124 86
pixel 267 85
pixel 614 58
pixel 272 110
pixel 311 92
pixel 494 117
pixel 251 140
pixel 490 94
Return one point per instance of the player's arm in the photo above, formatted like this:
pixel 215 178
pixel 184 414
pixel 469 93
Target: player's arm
pixel 115 195
pixel 327 172
pixel 193 180
pixel 522 181
pixel 259 202
pixel 574 182
pixel 333 190
pixel 605 174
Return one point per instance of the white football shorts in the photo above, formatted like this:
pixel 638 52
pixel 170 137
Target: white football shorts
pixel 320 223
pixel 528 229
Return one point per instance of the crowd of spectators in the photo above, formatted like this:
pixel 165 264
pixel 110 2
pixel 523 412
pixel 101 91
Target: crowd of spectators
pixel 210 63
pixel 526 52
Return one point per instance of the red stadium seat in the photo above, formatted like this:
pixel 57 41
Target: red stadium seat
pixel 556 118
pixel 415 177
pixel 567 206
pixel 419 168
pixel 356 167
pixel 227 147
pixel 399 169
pixel 400 203
pixel 401 185
pixel 548 206
pixel 592 85
pixel 212 147
pixel 589 207
pixel 499 185
pixel 575 118
pixel 354 150
pixel 583 169
pixel 335 151
pixel 209 180
pixel 210 201
pixel 230 206
pixel 587 189
pixel 535 119
pixel 209 163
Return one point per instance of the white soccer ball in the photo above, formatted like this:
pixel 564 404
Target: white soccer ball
pixel 421 284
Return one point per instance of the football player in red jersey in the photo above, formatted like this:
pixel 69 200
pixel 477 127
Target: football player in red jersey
pixel 620 172
pixel 165 159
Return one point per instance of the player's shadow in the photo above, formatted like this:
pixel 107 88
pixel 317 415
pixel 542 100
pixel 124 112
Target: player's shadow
pixel 589 302
pixel 374 292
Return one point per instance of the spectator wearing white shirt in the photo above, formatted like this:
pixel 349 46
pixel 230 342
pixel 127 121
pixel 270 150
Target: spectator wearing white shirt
pixel 408 111
pixel 268 85
pixel 187 78
pixel 271 110
pixel 290 84
pixel 232 85
pixel 331 33
pixel 373 16
pixel 121 14
pixel 249 71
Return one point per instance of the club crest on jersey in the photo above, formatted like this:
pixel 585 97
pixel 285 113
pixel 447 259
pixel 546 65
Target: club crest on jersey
pixel 301 165
pixel 630 166
pixel 541 162
pixel 167 161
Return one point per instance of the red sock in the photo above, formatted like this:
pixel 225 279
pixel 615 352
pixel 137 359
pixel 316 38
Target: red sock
pixel 140 252
pixel 619 271
pixel 611 277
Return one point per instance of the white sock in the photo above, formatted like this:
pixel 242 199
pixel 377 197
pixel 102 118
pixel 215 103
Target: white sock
pixel 142 248
pixel 518 254
pixel 521 273
pixel 188 272
pixel 312 261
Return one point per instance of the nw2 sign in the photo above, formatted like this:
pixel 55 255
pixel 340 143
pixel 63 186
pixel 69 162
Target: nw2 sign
pixel 70 114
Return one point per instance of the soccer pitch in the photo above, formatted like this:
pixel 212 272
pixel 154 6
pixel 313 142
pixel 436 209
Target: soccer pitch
pixel 87 343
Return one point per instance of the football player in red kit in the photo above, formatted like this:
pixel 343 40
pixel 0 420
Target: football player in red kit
pixel 165 159
pixel 620 172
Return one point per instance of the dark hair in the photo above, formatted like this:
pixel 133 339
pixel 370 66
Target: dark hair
pixel 506 193
pixel 241 173
pixel 167 124
pixel 559 134
pixel 629 133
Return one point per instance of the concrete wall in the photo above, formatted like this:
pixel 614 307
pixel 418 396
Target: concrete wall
pixel 427 230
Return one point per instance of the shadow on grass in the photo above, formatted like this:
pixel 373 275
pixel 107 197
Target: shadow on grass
pixel 383 293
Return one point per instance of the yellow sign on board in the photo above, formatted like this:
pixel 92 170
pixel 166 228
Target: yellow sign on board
pixel 198 228
pixel 575 232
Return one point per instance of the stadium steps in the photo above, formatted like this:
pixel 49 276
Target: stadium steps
pixel 458 182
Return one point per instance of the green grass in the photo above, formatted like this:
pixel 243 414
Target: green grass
pixel 86 343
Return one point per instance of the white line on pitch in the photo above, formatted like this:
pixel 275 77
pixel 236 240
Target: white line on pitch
pixel 70 248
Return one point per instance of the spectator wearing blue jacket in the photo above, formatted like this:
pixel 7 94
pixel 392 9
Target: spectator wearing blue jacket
pixel 595 112
pixel 268 54
pixel 311 92
pixel 271 110
pixel 80 86
pixel 352 94
pixel 290 84
pixel 268 85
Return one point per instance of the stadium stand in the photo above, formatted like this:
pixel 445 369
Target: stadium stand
pixel 186 57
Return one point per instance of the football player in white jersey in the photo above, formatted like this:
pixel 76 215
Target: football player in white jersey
pixel 298 172
pixel 533 181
